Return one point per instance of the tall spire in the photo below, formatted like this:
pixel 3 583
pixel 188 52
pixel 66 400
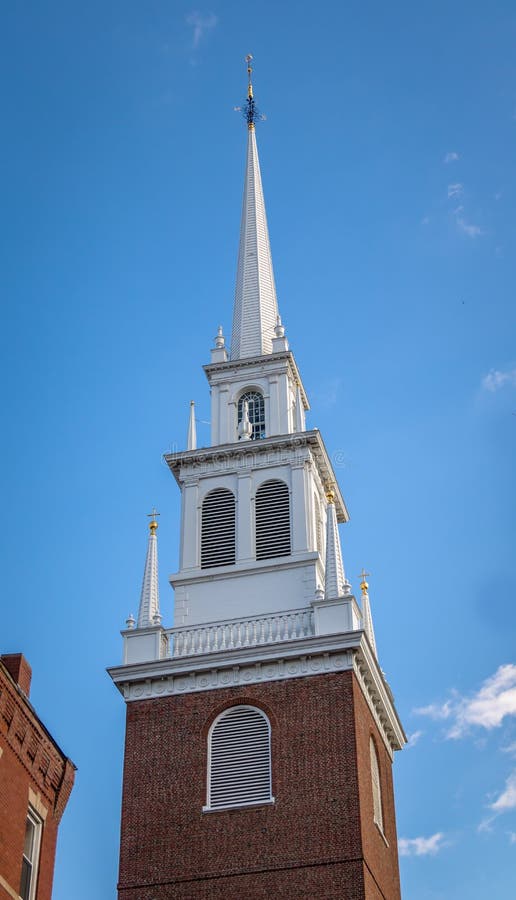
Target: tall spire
pixel 366 611
pixel 335 584
pixel 256 307
pixel 148 613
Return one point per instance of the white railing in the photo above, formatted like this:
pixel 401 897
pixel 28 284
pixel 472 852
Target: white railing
pixel 235 633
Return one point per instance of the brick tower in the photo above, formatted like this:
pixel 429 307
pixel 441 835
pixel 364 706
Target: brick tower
pixel 260 728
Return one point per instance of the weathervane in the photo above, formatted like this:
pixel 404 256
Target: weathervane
pixel 250 111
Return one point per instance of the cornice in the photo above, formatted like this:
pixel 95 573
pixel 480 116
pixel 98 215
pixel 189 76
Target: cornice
pixel 232 366
pixel 237 454
pixel 273 662
pixel 238 570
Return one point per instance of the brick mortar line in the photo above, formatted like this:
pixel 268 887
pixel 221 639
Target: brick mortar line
pixel 234 874
pixel 368 867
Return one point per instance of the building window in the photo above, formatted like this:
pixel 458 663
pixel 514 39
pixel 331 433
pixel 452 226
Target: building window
pixel 218 531
pixel 272 510
pixel 256 408
pixel 239 758
pixel 30 860
pixel 376 785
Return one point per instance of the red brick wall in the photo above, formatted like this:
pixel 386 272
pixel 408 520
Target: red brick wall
pixel 308 844
pixel 380 852
pixel 28 759
pixel 19 670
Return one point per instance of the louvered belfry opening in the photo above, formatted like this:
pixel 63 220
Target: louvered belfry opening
pixel 218 530
pixel 272 510
pixel 239 758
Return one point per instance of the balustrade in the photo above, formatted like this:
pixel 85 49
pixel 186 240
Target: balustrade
pixel 236 633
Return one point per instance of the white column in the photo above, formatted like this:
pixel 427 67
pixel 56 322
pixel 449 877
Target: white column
pixel 284 405
pixel 226 432
pixel 273 425
pixel 245 550
pixel 299 509
pixel 190 526
pixel 214 416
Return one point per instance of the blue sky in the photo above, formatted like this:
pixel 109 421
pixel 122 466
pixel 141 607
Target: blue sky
pixel 388 167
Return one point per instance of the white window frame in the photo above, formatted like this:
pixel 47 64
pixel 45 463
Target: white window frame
pixel 260 425
pixel 37 823
pixel 238 805
pixel 376 785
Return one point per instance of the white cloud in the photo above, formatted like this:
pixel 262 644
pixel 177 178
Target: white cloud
pixel 487 709
pixel 455 190
pixel 452 156
pixel 472 231
pixel 507 799
pixel 512 837
pixel 421 846
pixel 496 379
pixel 201 24
pixel 510 748
pixel 413 738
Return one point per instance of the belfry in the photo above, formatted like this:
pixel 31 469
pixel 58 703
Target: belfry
pixel 260 728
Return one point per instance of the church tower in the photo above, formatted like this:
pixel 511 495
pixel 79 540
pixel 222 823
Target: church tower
pixel 260 728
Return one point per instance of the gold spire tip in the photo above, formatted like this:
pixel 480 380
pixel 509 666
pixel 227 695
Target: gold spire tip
pixel 363 583
pixel 153 525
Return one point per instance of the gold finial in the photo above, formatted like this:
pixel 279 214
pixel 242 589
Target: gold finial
pixel 363 584
pixel 153 525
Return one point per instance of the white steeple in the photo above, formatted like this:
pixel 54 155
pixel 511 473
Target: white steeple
pixel 191 441
pixel 256 307
pixel 148 613
pixel 366 612
pixel 335 583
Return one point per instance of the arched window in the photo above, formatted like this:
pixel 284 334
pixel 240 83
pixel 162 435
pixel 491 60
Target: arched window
pixel 218 540
pixel 272 511
pixel 256 407
pixel 239 758
pixel 376 785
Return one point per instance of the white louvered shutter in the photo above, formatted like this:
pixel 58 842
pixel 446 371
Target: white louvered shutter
pixel 218 529
pixel 377 790
pixel 239 764
pixel 272 510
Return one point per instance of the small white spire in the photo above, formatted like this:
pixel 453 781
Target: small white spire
pixel 219 352
pixel 279 341
pixel 191 441
pixel 148 613
pixel 245 429
pixel 335 583
pixel 300 411
pixel 220 340
pixel 366 612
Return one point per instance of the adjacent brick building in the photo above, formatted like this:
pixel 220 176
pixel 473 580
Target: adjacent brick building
pixel 36 779
pixel 260 728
